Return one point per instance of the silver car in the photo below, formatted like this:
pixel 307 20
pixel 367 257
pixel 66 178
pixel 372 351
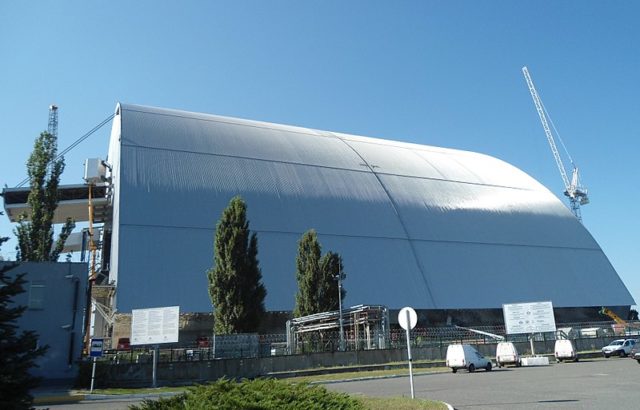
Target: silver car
pixel 619 347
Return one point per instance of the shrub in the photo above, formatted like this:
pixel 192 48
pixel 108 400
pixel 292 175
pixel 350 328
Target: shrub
pixel 260 394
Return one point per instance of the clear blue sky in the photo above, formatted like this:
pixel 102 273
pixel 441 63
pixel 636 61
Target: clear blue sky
pixel 443 73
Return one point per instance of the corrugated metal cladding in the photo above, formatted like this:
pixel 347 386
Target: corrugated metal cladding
pixel 428 227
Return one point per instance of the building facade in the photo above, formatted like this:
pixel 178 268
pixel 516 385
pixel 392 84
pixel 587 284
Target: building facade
pixel 55 297
pixel 428 227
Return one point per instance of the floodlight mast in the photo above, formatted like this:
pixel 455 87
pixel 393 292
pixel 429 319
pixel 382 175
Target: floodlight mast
pixel 576 193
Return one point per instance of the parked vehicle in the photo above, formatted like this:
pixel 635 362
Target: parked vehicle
pixel 565 350
pixel 463 356
pixel 619 347
pixel 506 353
pixel 202 341
pixel 637 356
pixel 123 344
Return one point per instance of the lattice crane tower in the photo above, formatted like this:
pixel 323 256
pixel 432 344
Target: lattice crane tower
pixel 53 120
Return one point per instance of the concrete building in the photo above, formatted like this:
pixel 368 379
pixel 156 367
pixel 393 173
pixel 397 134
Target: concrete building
pixel 55 296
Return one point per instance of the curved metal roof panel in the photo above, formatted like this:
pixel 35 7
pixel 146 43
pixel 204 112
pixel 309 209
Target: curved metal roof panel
pixel 416 225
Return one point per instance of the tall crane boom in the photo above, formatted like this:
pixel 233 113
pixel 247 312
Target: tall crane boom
pixel 573 189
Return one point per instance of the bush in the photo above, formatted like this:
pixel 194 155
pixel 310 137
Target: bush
pixel 260 394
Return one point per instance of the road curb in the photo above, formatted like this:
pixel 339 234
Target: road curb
pixel 90 397
pixel 59 399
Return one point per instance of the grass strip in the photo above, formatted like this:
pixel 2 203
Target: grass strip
pixel 401 403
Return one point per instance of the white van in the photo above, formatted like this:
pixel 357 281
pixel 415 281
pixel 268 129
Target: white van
pixel 565 350
pixel 506 353
pixel 461 356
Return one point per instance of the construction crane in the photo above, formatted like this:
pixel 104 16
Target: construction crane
pixel 576 193
pixel 622 326
pixel 53 120
pixel 608 312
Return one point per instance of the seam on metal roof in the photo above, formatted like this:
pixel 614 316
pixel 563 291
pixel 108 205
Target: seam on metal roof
pixel 329 167
pixel 337 235
pixel 401 221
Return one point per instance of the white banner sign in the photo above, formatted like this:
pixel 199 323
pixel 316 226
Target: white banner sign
pixel 155 326
pixel 536 317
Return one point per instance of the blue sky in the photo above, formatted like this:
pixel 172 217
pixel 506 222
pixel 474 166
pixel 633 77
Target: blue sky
pixel 443 73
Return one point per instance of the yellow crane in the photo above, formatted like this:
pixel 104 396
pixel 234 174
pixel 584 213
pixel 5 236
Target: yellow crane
pixel 608 312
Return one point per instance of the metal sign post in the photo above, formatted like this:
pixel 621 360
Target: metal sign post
pixel 340 277
pixel 154 378
pixel 93 374
pixel 95 351
pixel 533 350
pixel 408 319
pixel 153 326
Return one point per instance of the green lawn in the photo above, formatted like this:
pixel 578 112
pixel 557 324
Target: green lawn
pixel 366 374
pixel 316 379
pixel 401 403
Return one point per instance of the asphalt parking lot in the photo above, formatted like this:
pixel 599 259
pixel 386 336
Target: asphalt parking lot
pixel 588 384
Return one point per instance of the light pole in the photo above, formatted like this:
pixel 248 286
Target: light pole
pixel 339 277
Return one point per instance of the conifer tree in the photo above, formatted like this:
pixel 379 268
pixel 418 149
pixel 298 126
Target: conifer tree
pixel 235 281
pixel 316 276
pixel 331 266
pixel 307 274
pixel 18 352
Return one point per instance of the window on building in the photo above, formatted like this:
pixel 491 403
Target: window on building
pixel 36 295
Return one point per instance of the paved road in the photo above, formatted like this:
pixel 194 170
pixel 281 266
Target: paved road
pixel 92 405
pixel 589 384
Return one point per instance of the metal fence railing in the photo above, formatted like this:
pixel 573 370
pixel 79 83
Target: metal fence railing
pixel 266 345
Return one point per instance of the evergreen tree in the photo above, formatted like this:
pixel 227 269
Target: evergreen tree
pixel 3 239
pixel 317 277
pixel 331 266
pixel 307 274
pixel 35 234
pixel 255 291
pixel 235 281
pixel 17 352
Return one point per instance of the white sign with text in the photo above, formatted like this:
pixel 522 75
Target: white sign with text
pixel 155 325
pixel 535 317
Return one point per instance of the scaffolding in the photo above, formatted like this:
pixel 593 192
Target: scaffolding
pixel 366 327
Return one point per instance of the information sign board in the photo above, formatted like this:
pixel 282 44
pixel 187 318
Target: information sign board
pixel 155 325
pixel 535 317
pixel 97 346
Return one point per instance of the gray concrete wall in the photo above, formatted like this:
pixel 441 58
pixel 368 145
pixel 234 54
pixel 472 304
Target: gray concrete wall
pixel 59 319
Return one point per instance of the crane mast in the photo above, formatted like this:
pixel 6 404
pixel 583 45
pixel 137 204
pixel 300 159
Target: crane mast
pixel 573 190
pixel 53 120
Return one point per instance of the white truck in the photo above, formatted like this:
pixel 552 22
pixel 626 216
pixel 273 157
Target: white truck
pixel 506 353
pixel 463 356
